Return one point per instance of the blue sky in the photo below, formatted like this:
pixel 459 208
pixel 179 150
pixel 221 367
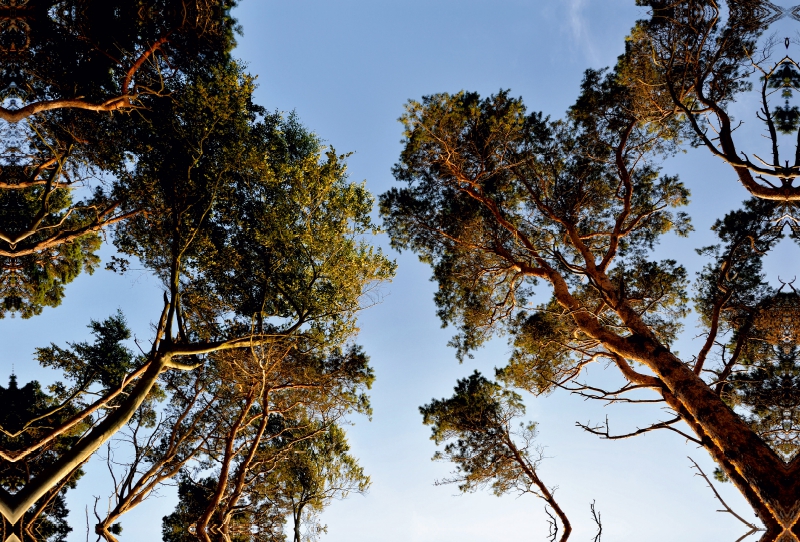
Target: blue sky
pixel 347 67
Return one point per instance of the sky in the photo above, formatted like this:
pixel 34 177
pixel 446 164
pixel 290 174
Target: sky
pixel 346 67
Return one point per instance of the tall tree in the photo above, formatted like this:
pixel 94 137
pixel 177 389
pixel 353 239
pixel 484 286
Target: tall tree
pixel 247 219
pixel 258 238
pixel 503 203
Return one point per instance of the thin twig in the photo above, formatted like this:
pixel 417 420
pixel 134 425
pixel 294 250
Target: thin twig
pixel 552 525
pixel 753 528
pixel 596 518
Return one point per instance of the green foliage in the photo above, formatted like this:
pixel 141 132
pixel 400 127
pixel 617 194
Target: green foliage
pixel 735 275
pixel 259 215
pixel 107 361
pixel 720 476
pixel 494 192
pixel 541 354
pixel 769 391
pixel 183 147
pixel 31 281
pixel 288 240
pixel 787 78
pixel 305 466
pixel 317 471
pixel 301 460
pixel 192 500
pixel 476 423
pixel 28 414
pixel 83 48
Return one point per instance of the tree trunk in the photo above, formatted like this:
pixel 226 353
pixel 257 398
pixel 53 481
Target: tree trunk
pixel 298 513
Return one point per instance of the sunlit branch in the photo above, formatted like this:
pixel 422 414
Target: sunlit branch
pixel 603 431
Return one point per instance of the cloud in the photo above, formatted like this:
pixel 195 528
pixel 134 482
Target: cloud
pixel 577 28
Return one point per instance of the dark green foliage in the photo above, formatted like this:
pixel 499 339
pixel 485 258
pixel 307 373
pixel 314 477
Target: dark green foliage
pixel 83 48
pixel 501 202
pixel 27 415
pixel 541 355
pixel 93 54
pixel 787 118
pixel 184 148
pixel 477 424
pixel 263 522
pixel 720 476
pixel 249 220
pixel 193 497
pixel 107 361
pixel 769 390
pixel 301 460
pixel 736 272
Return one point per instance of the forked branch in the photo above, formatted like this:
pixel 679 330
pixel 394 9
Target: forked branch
pixel 604 431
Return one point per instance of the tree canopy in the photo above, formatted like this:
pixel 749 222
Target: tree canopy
pixel 546 231
pixel 133 124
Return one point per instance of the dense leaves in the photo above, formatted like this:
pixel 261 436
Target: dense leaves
pixel 479 420
pixel 106 362
pixel 258 216
pixel 477 425
pixel 27 416
pixel 497 198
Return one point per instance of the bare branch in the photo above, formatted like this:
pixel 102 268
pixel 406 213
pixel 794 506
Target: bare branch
pixel 605 434
pixel 753 528
pixel 596 519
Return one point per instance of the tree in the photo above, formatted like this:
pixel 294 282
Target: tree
pixel 504 205
pixel 273 408
pixel 259 240
pixel 69 66
pixel 133 121
pixel 317 471
pixel 479 418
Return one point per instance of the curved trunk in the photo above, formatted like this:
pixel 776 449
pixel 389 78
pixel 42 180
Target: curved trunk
pixel 222 484
pixel 13 507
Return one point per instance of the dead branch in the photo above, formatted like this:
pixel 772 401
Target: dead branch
pixel 596 519
pixel 606 433
pixel 591 392
pixel 552 525
pixel 727 509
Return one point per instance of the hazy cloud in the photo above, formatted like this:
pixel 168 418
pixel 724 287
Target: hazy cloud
pixel 576 25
